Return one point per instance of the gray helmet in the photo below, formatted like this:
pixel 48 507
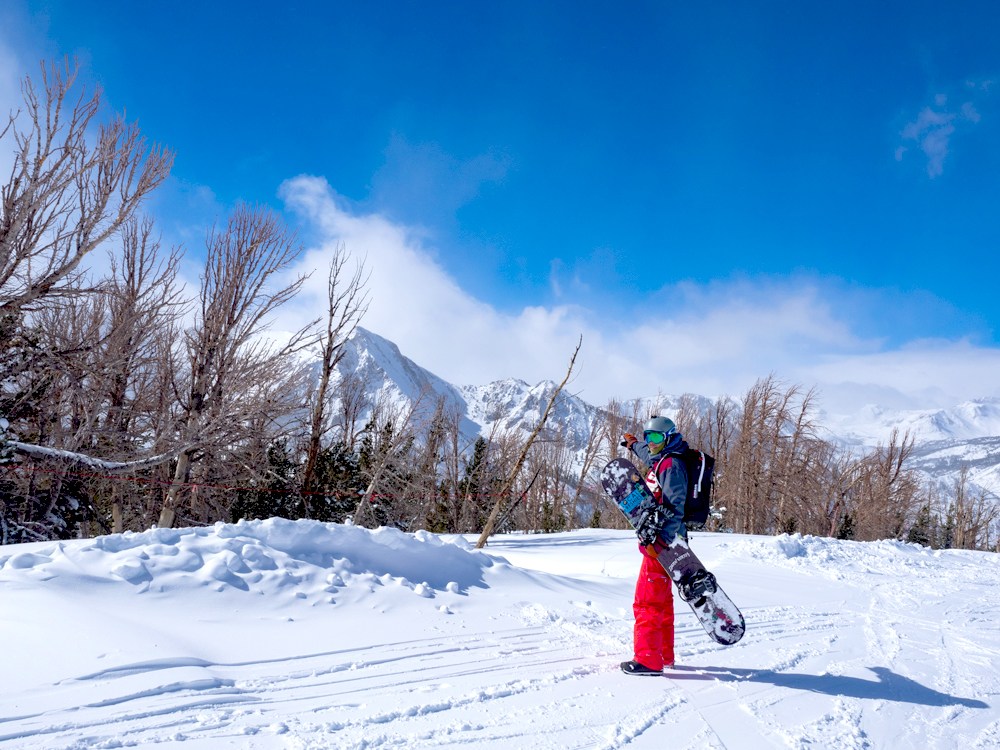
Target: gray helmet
pixel 659 424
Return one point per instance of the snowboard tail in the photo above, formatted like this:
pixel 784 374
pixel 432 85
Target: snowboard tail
pixel 716 612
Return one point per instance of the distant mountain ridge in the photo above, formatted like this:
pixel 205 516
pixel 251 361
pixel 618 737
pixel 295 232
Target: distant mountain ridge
pixel 945 439
pixel 970 420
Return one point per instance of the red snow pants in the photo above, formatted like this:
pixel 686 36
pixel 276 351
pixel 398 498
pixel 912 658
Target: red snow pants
pixel 653 637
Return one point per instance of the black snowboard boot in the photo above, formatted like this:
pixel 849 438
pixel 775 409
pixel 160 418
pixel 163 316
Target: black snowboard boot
pixel 634 667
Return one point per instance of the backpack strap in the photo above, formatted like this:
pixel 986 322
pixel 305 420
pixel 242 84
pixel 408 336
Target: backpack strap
pixel 696 484
pixel 656 466
pixel 702 464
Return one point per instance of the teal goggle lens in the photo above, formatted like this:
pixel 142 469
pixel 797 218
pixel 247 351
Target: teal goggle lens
pixel 654 437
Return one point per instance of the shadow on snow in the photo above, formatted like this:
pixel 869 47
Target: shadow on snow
pixel 889 686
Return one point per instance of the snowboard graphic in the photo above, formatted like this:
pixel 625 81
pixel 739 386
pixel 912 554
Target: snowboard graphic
pixel 715 611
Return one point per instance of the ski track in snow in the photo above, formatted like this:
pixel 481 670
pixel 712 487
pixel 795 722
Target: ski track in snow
pixel 296 635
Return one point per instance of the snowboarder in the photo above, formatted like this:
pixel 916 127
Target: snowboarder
pixel 653 635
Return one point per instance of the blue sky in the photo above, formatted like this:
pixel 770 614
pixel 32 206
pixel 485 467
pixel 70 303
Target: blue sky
pixel 812 187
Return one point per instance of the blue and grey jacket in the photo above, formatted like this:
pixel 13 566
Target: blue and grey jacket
pixel 668 480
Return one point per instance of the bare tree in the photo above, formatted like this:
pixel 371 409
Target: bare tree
pixel 508 486
pixel 793 458
pixel 885 499
pixel 352 402
pixel 424 492
pixel 74 184
pixel 746 485
pixel 485 471
pixel 229 366
pixel 845 472
pixel 144 304
pixel 766 458
pixel 618 418
pixel 96 370
pixel 546 504
pixel 66 196
pixel 971 518
pixel 597 437
pixel 444 513
pixel 347 302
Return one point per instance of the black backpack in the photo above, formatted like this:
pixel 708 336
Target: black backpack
pixel 699 467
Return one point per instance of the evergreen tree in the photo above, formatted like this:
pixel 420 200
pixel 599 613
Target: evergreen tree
pixel 474 489
pixel 385 459
pixel 595 519
pixel 922 531
pixel 947 536
pixel 338 484
pixel 788 525
pixel 846 530
pixel 276 495
pixel 551 521
pixel 441 518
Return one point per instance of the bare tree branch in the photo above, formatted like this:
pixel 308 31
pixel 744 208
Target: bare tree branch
pixel 512 477
pixel 65 196
pixel 347 303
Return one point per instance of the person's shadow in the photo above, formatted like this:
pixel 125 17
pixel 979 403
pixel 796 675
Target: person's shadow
pixel 889 686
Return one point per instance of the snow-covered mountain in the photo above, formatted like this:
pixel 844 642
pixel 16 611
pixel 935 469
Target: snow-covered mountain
pixel 386 374
pixel 946 439
pixel 514 405
pixel 872 424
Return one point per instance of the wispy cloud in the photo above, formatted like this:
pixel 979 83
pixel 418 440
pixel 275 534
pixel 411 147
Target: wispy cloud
pixel 716 339
pixel 933 129
pixel 422 180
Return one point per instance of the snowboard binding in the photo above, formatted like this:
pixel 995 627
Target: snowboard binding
pixel 696 586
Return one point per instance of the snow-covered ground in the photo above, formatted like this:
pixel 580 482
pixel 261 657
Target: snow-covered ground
pixel 283 634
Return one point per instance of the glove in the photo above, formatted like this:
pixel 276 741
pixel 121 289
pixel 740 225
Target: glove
pixel 648 528
pixel 628 440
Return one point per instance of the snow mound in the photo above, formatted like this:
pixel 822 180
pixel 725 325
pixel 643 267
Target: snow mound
pixel 839 558
pixel 262 557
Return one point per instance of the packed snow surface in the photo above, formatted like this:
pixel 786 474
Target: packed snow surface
pixel 280 634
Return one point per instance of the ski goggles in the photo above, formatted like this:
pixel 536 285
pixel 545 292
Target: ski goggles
pixel 654 436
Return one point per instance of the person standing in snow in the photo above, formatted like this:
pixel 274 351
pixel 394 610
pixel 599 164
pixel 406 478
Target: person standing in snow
pixel 653 635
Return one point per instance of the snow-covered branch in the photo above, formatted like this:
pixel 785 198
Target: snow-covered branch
pixel 81 459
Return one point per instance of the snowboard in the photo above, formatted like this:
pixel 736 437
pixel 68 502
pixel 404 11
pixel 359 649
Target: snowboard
pixel 715 611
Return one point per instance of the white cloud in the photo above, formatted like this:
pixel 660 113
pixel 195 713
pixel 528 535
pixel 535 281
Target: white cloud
pixel 970 113
pixel 417 305
pixel 923 374
pixel 932 130
pixel 713 340
pixel 935 127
